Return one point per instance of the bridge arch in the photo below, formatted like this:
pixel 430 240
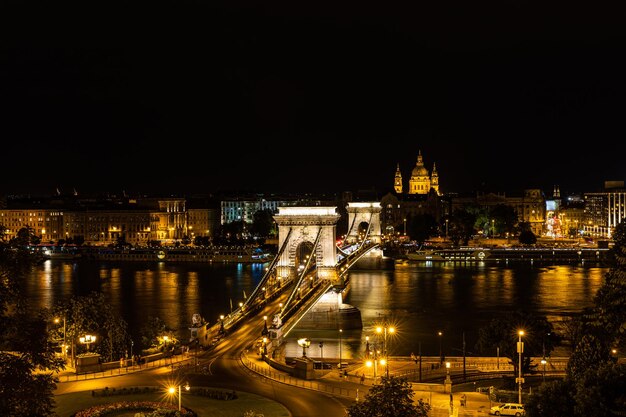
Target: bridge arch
pixel 362 215
pixel 308 225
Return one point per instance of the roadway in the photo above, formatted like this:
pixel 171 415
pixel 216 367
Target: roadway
pixel 222 368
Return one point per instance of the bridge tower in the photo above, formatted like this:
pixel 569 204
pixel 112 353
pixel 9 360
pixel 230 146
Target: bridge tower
pixel 305 224
pixel 363 215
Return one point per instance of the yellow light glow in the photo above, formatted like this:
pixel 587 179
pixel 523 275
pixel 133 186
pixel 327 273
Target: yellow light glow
pixel 368 364
pixel 521 333
pixel 171 390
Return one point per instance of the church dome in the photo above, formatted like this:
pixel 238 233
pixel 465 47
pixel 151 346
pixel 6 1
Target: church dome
pixel 419 171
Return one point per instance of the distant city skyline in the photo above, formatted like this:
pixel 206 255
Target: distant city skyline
pixel 283 98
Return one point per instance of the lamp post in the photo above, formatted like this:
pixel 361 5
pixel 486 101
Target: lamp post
pixel 172 390
pixel 543 376
pixel 57 320
pixel 304 343
pixel 520 380
pixel 340 331
pixel 374 363
pixel 221 323
pixel 87 340
pixel 384 330
pixel 132 358
pixel 440 349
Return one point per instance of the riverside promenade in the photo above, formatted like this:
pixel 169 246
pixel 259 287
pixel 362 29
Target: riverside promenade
pixel 466 399
pixel 352 383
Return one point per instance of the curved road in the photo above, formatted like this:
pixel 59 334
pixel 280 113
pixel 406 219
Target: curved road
pixel 225 370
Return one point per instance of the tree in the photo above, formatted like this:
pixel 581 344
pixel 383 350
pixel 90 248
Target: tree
pixel 27 358
pixel 461 226
pixel 421 227
pixel 527 237
pixel 262 223
pixel 152 332
pixel 599 382
pixel 502 332
pixel 93 314
pixel 392 397
pixel 552 399
pixel 505 218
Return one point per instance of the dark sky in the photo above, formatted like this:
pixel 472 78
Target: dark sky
pixel 203 96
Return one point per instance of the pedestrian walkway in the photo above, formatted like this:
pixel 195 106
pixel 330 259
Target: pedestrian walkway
pixel 168 364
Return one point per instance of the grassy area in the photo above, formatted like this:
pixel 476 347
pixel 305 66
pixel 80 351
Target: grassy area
pixel 68 404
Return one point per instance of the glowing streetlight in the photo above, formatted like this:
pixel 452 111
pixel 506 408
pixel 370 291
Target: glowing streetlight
pixel 57 321
pixel 385 330
pixel 520 380
pixel 340 332
pixel 304 343
pixel 172 391
pixel 543 362
pixel 440 349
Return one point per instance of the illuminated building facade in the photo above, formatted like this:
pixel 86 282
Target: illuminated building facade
pixel 530 206
pixel 605 210
pixel 43 222
pixel 114 221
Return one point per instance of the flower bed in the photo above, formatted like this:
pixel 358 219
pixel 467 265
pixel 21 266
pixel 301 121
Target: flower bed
pixel 106 409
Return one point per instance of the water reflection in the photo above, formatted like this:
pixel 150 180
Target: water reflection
pixel 419 299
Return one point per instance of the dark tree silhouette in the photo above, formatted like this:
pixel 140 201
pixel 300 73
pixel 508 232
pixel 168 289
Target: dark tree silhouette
pixel 392 397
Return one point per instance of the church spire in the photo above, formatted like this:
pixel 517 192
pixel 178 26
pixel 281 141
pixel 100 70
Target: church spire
pixel 434 179
pixel 397 182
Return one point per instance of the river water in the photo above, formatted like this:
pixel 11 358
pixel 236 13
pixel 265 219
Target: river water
pixel 419 299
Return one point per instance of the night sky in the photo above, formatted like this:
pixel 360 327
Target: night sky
pixel 209 96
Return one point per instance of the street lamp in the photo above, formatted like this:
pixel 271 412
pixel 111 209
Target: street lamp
pixel 57 320
pixel 221 323
pixel 543 362
pixel 340 332
pixel 369 363
pixel 520 380
pixel 172 391
pixel 384 330
pixel 304 343
pixel 440 350
pixel 264 332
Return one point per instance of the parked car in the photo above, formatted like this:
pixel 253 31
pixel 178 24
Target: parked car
pixel 508 409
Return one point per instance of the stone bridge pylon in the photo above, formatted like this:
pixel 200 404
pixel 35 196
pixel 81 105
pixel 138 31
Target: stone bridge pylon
pixel 364 217
pixel 304 227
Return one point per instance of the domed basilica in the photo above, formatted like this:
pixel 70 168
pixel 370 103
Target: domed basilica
pixel 421 181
